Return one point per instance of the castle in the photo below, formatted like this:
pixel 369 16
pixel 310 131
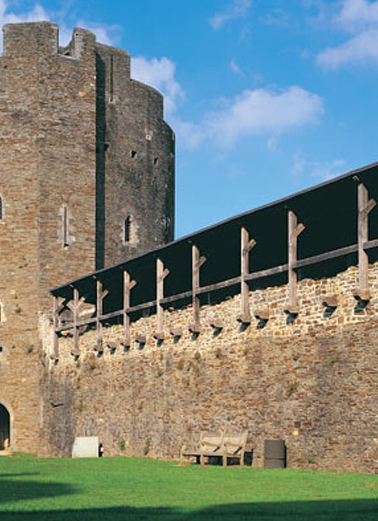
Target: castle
pixel 266 322
pixel 86 180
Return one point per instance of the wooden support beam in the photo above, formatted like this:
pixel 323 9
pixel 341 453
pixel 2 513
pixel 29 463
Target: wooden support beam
pixel 74 306
pixel 128 285
pixel 294 230
pixel 365 206
pixel 100 295
pixel 55 350
pixel 246 246
pixel 197 262
pixel 75 311
pixel 161 274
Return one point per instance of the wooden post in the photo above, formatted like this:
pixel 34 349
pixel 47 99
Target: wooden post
pixel 161 274
pixel 56 308
pixel 75 306
pixel 294 230
pixel 101 294
pixel 246 247
pixel 128 285
pixel 365 206
pixel 197 262
pixel 75 312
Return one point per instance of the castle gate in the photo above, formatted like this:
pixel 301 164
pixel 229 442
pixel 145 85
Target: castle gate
pixel 4 428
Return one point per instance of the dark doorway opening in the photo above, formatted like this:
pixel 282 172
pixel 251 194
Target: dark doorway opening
pixel 4 428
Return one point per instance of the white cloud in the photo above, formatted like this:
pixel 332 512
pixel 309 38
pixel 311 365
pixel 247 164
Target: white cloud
pixel 238 9
pixel 314 169
pixel 105 34
pixel 159 73
pixel 235 68
pixel 360 49
pixel 358 15
pixel 359 18
pixel 254 112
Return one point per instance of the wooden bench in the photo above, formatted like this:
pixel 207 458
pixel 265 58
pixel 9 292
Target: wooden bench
pixel 224 445
pixel 234 447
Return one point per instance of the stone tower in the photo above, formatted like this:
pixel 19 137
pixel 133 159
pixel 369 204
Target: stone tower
pixel 86 180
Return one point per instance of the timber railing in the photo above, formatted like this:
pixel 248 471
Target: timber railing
pixel 74 304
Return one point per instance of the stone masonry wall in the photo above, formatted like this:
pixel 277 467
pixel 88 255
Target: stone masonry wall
pixel 47 160
pixel 312 383
pixel 135 162
pixel 69 118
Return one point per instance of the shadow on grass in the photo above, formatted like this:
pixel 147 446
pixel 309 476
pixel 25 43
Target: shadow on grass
pixel 12 490
pixel 356 510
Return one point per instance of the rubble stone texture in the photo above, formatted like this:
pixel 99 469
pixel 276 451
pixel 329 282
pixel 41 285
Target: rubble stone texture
pixel 312 383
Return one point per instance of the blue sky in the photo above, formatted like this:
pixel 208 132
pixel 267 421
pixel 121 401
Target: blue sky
pixel 266 97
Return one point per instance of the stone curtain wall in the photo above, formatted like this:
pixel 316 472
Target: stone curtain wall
pixel 312 383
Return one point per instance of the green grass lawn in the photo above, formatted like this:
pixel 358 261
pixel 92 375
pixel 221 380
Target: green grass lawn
pixel 117 489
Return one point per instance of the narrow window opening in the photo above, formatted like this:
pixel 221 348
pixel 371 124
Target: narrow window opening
pixel 1 207
pixel 133 154
pixel 111 79
pixel 65 226
pixel 156 161
pixel 127 230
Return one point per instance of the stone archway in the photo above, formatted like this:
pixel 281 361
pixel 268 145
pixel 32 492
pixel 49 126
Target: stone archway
pixel 4 428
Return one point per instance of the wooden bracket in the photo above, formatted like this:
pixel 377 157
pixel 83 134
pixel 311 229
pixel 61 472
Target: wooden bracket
pixel 58 305
pixel 365 206
pixel 161 274
pixel 197 262
pixel 297 231
pixel 369 207
pixel 246 245
pixel 201 262
pixel 164 274
pixel 128 285
pixel 250 245
pixel 294 230
pixel 101 294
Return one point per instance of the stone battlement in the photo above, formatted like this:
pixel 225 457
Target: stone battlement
pixel 43 38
